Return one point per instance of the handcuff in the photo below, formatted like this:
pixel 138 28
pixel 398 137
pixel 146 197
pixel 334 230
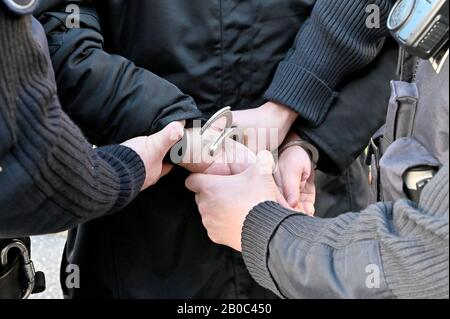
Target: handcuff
pixel 177 152
pixel 312 151
pixel 227 132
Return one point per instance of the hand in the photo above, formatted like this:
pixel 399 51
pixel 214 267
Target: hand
pixel 225 201
pixel 232 158
pixel 295 178
pixel 275 119
pixel 152 150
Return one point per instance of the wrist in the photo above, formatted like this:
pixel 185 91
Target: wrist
pixel 294 140
pixel 284 113
pixel 292 137
pixel 196 158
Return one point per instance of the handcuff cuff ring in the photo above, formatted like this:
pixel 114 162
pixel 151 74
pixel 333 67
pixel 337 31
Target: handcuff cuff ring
pixel 228 130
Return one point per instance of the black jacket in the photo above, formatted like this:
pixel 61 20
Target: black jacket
pixel 220 53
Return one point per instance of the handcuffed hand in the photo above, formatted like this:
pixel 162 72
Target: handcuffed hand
pixel 152 150
pixel 295 178
pixel 265 127
pixel 225 201
pixel 232 157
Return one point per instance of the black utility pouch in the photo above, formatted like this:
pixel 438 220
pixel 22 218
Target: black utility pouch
pixel 18 278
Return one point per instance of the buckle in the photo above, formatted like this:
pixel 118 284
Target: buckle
pixel 21 7
pixel 27 265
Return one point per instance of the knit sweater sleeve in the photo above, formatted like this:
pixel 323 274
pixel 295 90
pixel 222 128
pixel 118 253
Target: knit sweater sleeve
pixel 390 250
pixel 51 178
pixel 333 43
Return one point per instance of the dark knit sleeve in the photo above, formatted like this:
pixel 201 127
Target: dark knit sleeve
pixel 333 43
pixel 51 178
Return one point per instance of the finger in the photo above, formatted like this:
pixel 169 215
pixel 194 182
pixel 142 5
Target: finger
pixel 309 209
pixel 282 201
pixel 312 176
pixel 238 157
pixel 291 187
pixel 164 140
pixel 195 182
pixel 304 180
pixel 279 179
pixel 308 195
pixel 308 198
pixel 200 183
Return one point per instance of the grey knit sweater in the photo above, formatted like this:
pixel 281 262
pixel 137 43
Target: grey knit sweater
pixel 51 179
pixel 390 250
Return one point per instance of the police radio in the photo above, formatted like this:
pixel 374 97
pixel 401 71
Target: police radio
pixel 421 26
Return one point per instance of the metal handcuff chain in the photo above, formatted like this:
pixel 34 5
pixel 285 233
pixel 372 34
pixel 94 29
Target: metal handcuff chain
pixel 28 266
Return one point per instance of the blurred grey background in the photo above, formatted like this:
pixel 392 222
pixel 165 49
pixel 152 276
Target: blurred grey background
pixel 46 253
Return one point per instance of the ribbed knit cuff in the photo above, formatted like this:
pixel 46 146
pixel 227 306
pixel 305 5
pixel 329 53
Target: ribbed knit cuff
pixel 130 170
pixel 301 90
pixel 259 228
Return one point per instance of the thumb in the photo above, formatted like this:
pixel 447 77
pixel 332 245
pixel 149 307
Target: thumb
pixel 164 140
pixel 291 188
pixel 199 183
pixel 264 171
